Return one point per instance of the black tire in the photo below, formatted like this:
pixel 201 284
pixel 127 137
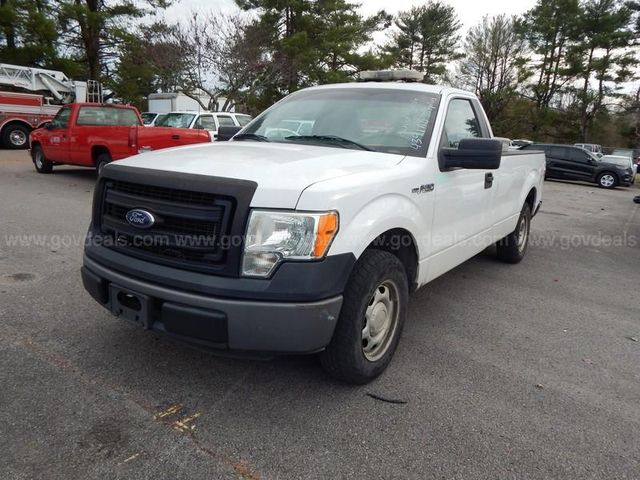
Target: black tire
pixel 608 180
pixel 345 357
pixel 15 137
pixel 40 161
pixel 513 247
pixel 101 160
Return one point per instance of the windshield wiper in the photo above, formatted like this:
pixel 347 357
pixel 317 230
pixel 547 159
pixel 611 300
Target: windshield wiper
pixel 342 142
pixel 251 136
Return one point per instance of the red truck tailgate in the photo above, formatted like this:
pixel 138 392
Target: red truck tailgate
pixel 156 138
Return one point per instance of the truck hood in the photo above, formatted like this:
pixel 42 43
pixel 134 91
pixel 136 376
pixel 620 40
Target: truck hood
pixel 282 171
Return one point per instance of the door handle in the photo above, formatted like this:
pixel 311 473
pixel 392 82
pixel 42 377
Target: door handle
pixel 488 180
pixel 175 137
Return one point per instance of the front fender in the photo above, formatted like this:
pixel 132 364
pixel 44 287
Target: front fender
pixel 360 228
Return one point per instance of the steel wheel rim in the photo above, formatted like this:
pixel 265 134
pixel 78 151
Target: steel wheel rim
pixel 38 159
pixel 18 138
pixel 607 180
pixel 523 234
pixel 380 321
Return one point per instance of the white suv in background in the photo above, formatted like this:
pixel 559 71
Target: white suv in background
pixel 210 121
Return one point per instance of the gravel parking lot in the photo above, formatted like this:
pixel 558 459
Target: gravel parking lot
pixel 503 371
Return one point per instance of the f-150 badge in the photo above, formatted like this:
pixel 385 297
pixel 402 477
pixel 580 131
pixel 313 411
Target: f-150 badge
pixel 423 188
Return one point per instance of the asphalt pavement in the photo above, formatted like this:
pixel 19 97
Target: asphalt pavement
pixel 503 372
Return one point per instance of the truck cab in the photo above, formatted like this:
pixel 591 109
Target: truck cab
pixel 93 134
pixel 306 233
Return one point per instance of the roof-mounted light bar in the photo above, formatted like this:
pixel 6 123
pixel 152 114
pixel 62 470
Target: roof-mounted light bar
pixel 391 76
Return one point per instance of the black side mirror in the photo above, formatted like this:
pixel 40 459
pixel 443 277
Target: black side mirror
pixel 226 133
pixel 49 126
pixel 472 153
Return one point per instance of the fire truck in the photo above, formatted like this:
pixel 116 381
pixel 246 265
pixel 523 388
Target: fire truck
pixel 30 97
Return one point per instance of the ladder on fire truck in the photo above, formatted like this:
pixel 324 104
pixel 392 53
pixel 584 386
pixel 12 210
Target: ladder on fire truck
pixel 40 80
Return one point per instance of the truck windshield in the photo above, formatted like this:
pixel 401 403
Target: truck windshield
pixel 176 120
pixel 384 120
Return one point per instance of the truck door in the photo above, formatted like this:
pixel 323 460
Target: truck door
pixel 583 165
pixel 206 122
pixel 57 143
pixel 464 197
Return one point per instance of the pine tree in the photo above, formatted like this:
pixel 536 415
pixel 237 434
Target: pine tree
pixel 426 39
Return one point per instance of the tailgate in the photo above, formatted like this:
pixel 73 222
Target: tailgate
pixel 156 138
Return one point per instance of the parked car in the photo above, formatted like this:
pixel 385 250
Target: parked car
pixel 623 161
pixel 310 243
pixel 209 121
pixel 590 147
pixel 519 142
pixel 628 152
pixel 92 135
pixel 575 163
pixel 149 119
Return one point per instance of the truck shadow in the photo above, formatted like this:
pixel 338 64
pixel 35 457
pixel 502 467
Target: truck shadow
pixel 75 173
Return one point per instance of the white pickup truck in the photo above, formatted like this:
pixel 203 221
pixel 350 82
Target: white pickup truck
pixel 282 242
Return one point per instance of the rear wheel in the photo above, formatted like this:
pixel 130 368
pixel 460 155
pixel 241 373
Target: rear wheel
pixel 371 319
pixel 40 161
pixel 15 137
pixel 607 180
pixel 101 160
pixel 513 247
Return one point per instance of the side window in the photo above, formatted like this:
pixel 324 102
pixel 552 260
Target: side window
pixel 558 153
pixel 579 156
pixel 205 122
pixel 225 121
pixel 461 122
pixel 61 120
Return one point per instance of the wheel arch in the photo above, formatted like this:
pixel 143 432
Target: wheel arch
pixel 96 151
pixel 15 121
pixel 392 223
pixel 402 244
pixel 531 199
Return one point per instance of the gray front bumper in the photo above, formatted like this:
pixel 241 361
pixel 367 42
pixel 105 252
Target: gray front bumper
pixel 254 326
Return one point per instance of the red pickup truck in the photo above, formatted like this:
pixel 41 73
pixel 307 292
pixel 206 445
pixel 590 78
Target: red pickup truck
pixel 92 135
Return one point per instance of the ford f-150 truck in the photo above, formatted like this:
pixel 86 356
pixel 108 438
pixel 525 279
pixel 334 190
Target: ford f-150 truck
pixel 92 135
pixel 282 242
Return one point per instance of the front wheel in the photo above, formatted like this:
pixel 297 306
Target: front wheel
pixel 40 161
pixel 513 247
pixel 371 320
pixel 607 180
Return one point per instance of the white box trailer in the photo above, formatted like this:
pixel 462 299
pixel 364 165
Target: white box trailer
pixel 171 102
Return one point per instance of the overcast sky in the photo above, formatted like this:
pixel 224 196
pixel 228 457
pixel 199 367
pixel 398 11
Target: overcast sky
pixel 470 12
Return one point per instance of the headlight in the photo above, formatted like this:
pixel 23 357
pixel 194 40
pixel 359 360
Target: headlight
pixel 274 236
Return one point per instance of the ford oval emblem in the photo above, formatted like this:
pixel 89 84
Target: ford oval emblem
pixel 140 218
